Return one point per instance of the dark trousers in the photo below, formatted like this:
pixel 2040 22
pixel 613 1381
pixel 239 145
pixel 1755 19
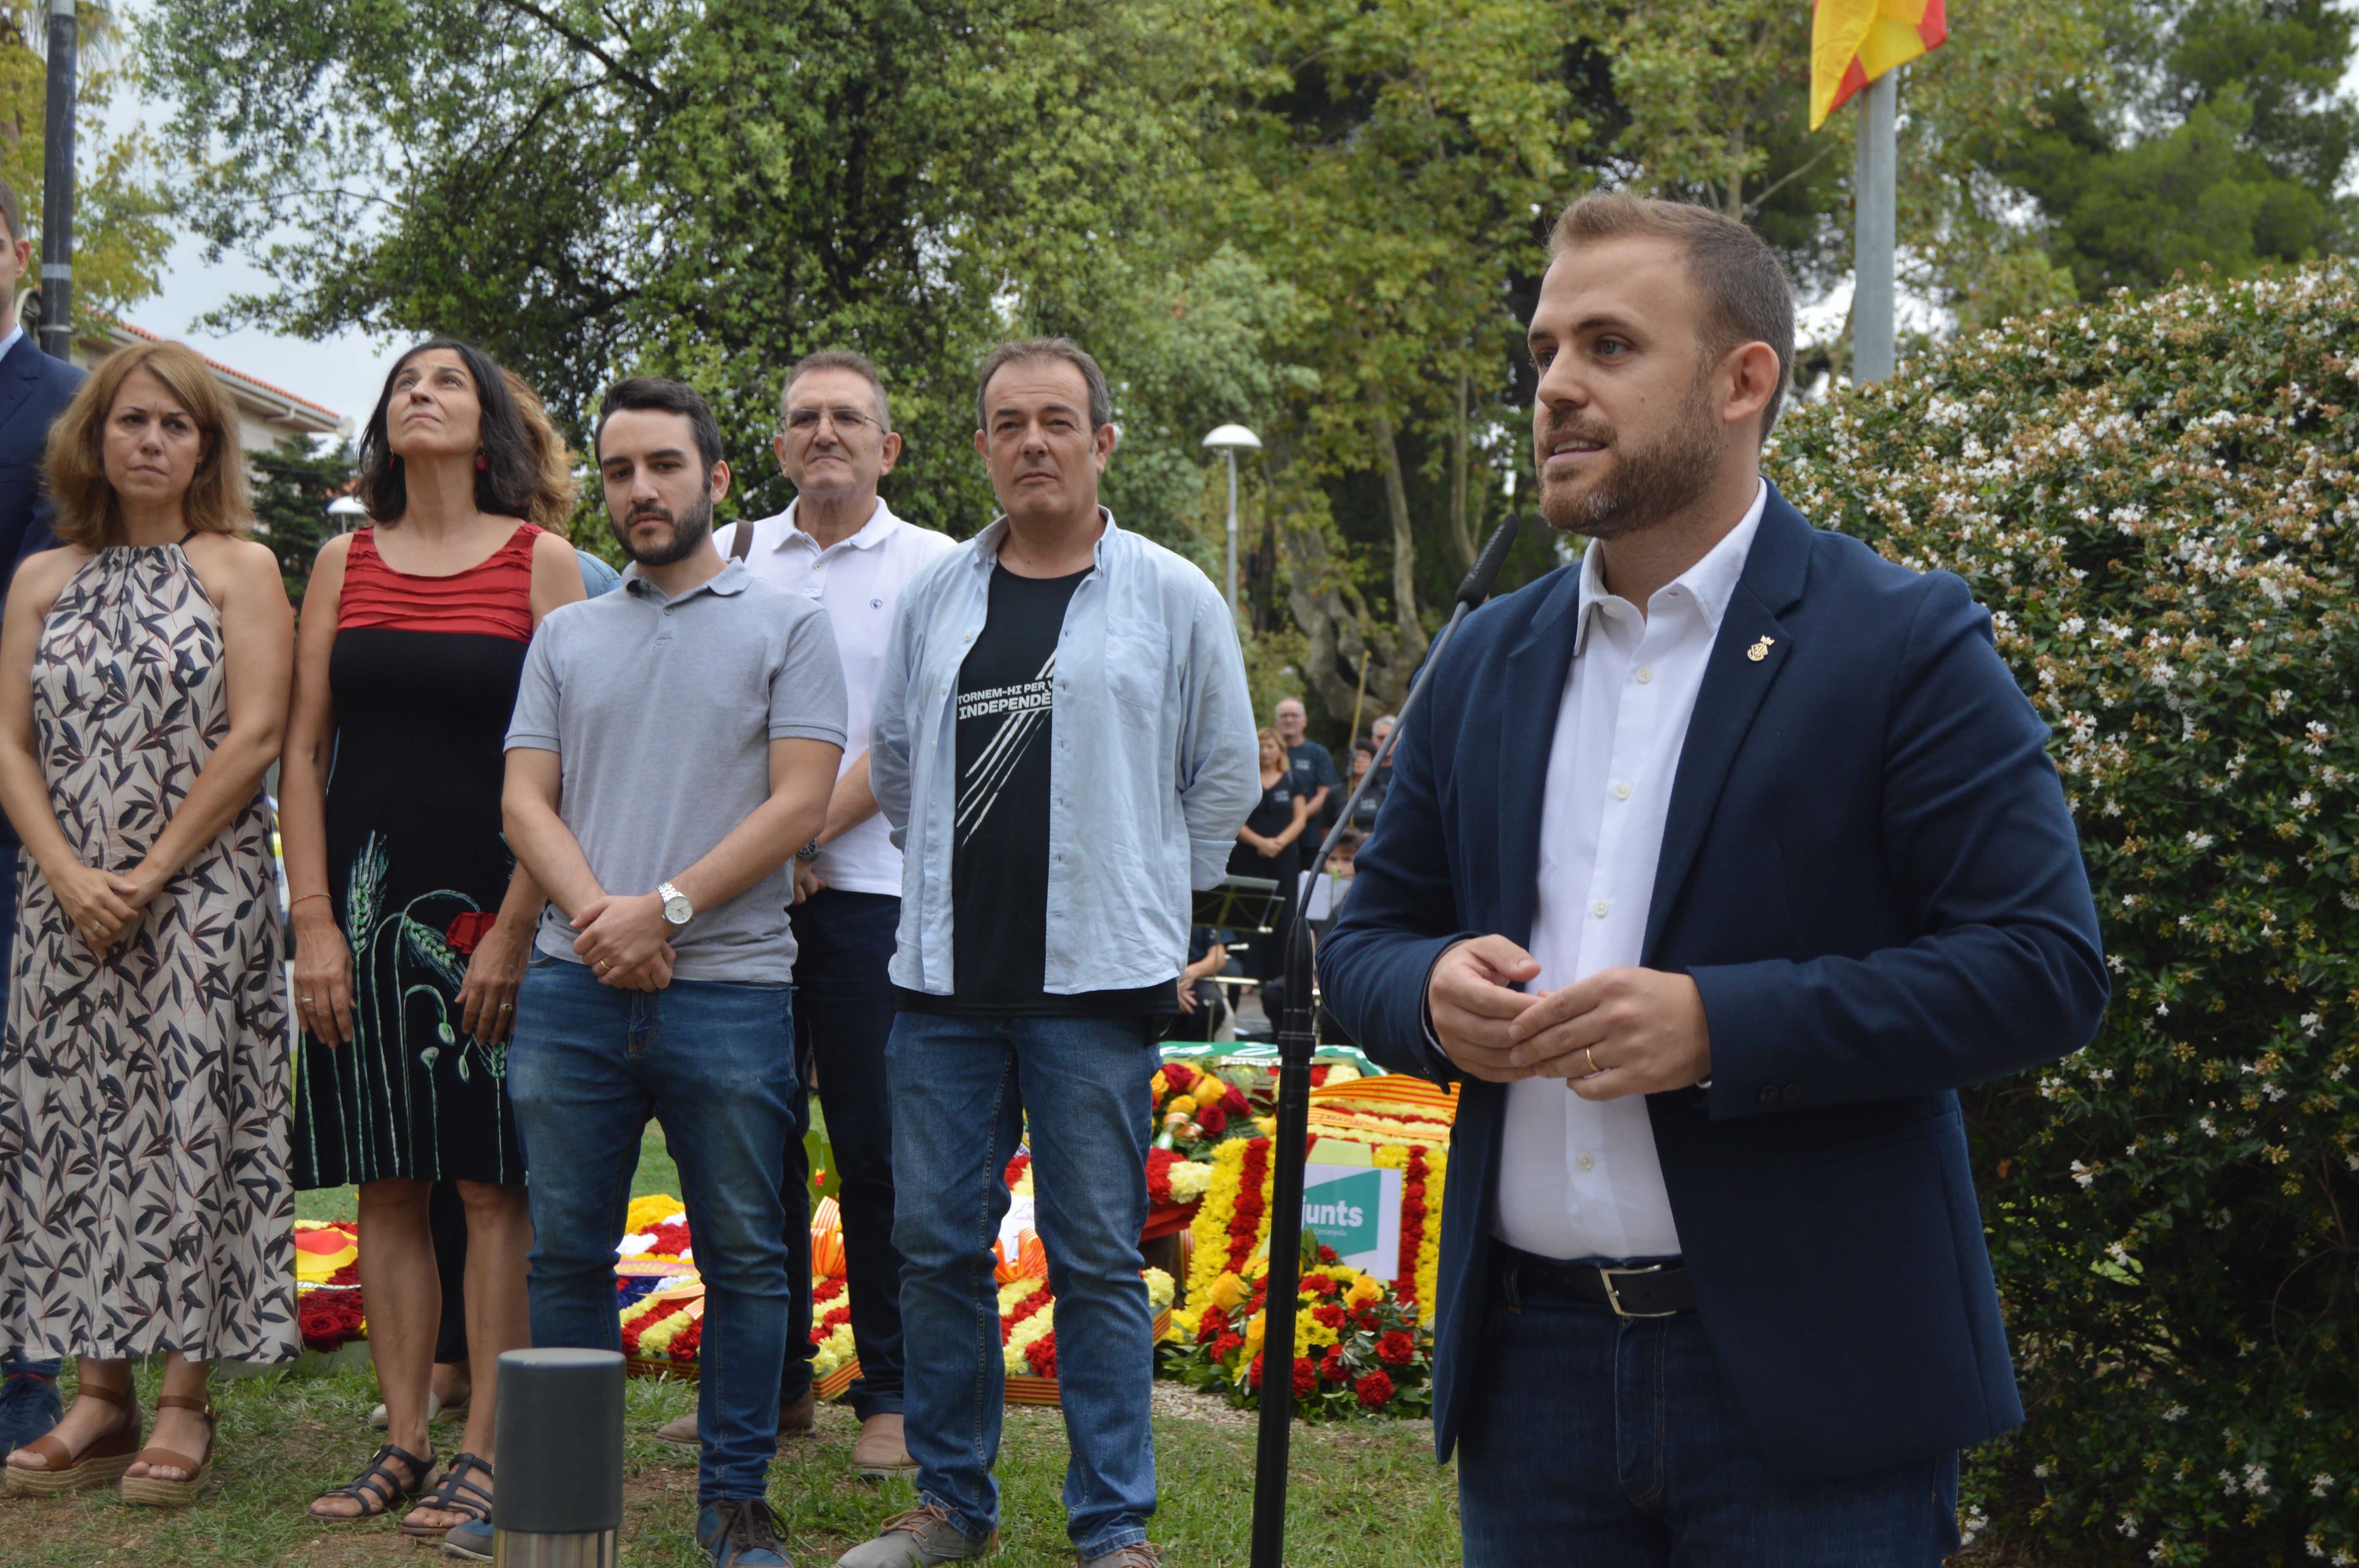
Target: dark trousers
pixel 12 1364
pixel 843 1017
pixel 1599 1442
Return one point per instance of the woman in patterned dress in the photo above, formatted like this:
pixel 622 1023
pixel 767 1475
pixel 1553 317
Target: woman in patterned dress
pixel 144 671
pixel 412 921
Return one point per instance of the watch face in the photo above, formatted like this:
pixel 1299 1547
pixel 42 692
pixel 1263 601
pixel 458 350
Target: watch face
pixel 678 910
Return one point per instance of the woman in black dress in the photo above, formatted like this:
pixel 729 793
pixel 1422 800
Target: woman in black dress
pixel 412 921
pixel 1267 848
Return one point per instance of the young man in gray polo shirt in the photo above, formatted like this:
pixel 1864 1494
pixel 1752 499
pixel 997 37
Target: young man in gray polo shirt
pixel 673 744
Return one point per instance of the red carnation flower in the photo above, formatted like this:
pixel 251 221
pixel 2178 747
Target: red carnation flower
pixel 1332 1368
pixel 1366 1317
pixel 1329 1314
pixel 1228 1345
pixel 1321 1284
pixel 833 1320
pixel 827 1290
pixel 1318 1076
pixel 1041 1355
pixel 1212 1323
pixel 1253 1373
pixel 1014 1171
pixel 1306 1379
pixel 1397 1347
pixel 1374 1389
pixel 1211 1119
pixel 684 1344
pixel 468 930
pixel 1329 1255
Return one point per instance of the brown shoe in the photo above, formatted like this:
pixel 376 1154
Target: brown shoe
pixel 795 1419
pixel 880 1453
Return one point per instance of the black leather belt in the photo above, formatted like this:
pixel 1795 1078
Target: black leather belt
pixel 1654 1289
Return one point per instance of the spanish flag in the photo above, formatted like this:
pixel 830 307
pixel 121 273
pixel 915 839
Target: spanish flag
pixel 1852 42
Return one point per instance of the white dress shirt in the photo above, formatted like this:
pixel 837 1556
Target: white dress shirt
pixel 858 582
pixel 1580 1179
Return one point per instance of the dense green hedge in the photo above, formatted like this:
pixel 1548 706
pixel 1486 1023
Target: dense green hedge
pixel 2158 499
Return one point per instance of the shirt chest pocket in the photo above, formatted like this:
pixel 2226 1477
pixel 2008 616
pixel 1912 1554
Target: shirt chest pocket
pixel 1138 662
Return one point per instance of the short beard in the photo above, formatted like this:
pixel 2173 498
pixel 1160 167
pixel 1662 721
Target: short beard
pixel 686 533
pixel 1649 484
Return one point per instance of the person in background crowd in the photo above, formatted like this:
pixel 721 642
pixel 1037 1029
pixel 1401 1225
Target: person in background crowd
pixel 1341 863
pixel 33 390
pixel 660 985
pixel 1202 1008
pixel 1714 1288
pixel 144 1203
pixel 1062 743
pixel 1364 811
pixel 1315 777
pixel 1267 846
pixel 1382 726
pixel 411 917
pixel 841 547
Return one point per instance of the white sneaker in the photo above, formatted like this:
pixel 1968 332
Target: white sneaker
pixel 379 1419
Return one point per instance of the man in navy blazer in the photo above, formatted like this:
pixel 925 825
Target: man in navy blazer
pixel 33 390
pixel 1714 867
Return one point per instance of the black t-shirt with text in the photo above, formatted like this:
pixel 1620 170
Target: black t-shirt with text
pixel 999 854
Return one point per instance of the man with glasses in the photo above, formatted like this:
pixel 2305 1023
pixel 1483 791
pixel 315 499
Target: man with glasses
pixel 840 546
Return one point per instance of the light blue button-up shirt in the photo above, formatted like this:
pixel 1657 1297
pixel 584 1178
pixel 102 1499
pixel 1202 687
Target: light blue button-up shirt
pixel 1153 761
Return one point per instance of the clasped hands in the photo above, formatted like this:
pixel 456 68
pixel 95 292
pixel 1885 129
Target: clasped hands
pixel 625 941
pixel 105 905
pixel 1616 1032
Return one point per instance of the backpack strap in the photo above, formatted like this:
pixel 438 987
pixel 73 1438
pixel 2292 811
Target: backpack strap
pixel 741 543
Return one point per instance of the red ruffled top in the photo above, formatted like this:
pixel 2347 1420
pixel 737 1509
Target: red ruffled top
pixel 492 600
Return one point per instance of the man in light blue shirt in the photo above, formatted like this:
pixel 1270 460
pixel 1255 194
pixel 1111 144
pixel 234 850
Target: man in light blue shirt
pixel 1063 743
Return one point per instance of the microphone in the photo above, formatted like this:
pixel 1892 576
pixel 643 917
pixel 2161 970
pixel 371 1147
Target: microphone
pixel 1485 569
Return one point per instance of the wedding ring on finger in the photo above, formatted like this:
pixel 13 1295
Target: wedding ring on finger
pixel 1591 1052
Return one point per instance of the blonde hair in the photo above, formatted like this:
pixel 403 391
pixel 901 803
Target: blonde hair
pixel 552 499
pixel 76 458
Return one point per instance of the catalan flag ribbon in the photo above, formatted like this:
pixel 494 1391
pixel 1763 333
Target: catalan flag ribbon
pixel 1852 42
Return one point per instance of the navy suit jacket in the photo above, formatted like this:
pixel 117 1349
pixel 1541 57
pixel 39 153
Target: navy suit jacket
pixel 33 390
pixel 1870 874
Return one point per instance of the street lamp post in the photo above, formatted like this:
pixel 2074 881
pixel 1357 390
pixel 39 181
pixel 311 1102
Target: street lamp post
pixel 348 511
pixel 1229 441
pixel 56 185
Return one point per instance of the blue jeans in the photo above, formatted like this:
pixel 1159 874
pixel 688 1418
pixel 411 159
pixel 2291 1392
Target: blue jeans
pixel 960 1087
pixel 1597 1442
pixel 12 1364
pixel 843 1017
pixel 715 1064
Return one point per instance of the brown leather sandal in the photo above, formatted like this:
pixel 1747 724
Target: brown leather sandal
pixel 99 1465
pixel 160 1491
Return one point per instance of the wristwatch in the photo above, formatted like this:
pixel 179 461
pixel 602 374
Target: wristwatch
pixel 678 911
pixel 809 851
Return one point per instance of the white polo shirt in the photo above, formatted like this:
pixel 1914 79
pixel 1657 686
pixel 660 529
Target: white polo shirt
pixel 858 582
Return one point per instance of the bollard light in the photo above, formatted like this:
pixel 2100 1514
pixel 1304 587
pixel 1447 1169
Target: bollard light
pixel 558 1453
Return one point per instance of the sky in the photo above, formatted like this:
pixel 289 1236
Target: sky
pixel 345 372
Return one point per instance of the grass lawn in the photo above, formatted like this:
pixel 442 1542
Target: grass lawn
pixel 1364 1493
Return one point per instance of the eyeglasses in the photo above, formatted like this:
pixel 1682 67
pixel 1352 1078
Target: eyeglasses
pixel 804 421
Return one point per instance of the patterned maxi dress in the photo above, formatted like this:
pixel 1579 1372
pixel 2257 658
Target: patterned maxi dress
pixel 144 1200
pixel 424 675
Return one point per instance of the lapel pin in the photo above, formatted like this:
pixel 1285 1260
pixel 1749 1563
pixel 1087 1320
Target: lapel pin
pixel 1759 651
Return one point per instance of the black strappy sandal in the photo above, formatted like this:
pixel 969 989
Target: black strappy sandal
pixel 455 1494
pixel 376 1501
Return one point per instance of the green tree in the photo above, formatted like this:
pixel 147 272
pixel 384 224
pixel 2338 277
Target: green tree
pixel 121 204
pixel 293 485
pixel 2219 138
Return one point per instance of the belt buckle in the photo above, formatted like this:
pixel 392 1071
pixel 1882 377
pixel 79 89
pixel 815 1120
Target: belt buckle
pixel 1613 1297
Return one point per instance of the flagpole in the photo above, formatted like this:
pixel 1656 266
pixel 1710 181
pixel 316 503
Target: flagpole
pixel 1874 197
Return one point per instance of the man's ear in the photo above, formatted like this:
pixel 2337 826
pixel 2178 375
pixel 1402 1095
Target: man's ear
pixel 891 450
pixel 720 481
pixel 1752 374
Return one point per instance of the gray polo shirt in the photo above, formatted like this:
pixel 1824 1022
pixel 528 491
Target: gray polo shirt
pixel 662 712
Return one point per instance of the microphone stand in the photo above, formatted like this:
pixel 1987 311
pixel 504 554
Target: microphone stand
pixel 1297 1037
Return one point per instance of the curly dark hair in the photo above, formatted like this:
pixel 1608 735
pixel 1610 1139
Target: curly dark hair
pixel 513 479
